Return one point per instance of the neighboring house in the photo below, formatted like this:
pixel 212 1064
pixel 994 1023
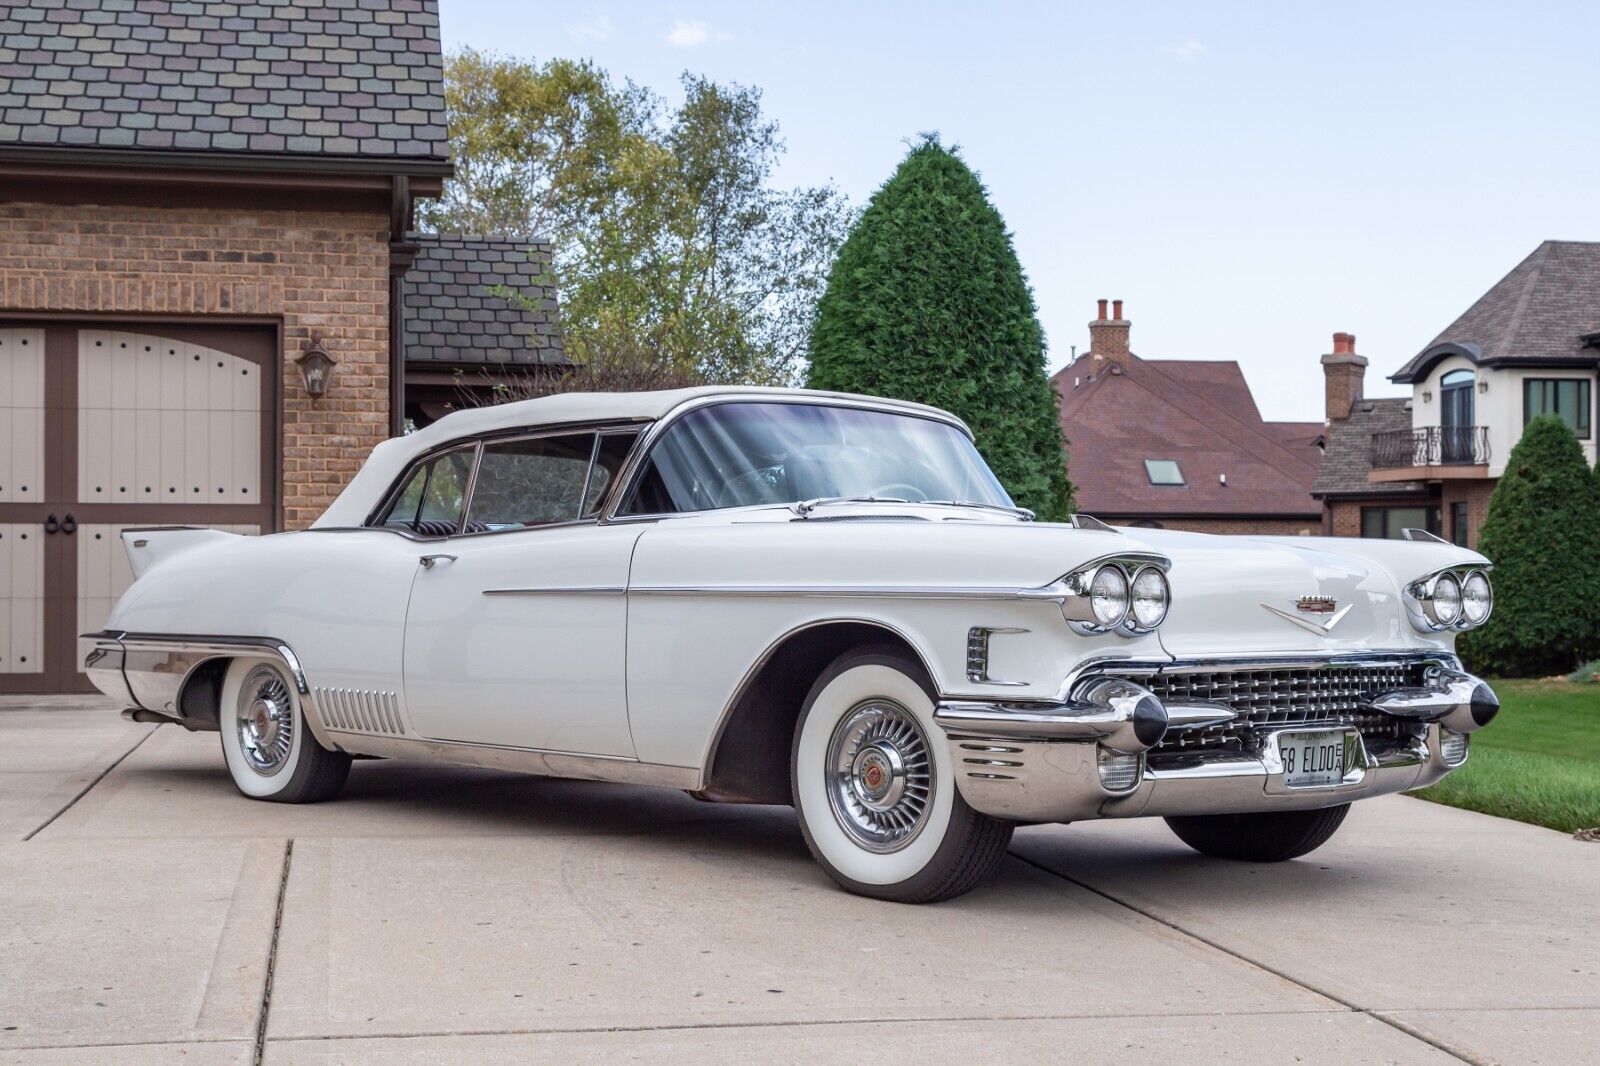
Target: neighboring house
pixel 1180 444
pixel 1529 346
pixel 192 198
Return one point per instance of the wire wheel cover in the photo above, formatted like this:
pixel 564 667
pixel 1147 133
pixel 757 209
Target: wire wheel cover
pixel 880 771
pixel 265 720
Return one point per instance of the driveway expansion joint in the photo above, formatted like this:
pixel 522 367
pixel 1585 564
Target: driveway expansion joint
pixel 1370 1012
pixel 272 955
pixel 101 776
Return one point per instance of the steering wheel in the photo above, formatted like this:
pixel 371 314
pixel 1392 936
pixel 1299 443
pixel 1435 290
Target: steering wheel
pixel 900 490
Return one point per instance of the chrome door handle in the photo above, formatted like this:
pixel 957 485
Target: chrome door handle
pixel 427 561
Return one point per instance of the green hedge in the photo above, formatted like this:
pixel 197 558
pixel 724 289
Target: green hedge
pixel 927 302
pixel 1543 535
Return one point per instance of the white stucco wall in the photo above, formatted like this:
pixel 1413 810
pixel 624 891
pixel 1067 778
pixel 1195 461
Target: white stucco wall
pixel 1499 408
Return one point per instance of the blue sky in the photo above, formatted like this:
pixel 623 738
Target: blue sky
pixel 1248 178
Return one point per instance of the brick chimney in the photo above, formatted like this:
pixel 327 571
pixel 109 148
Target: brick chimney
pixel 1343 372
pixel 1108 335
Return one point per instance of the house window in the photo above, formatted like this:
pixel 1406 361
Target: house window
pixel 1387 523
pixel 1458 522
pixel 1163 472
pixel 1567 397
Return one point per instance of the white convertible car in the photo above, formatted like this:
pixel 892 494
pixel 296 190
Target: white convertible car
pixel 780 596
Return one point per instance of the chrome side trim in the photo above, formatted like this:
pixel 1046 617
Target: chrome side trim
pixel 556 590
pixel 156 666
pixel 526 760
pixel 910 592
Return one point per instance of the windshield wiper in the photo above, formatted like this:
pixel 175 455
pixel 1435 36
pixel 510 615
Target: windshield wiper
pixel 1021 512
pixel 805 507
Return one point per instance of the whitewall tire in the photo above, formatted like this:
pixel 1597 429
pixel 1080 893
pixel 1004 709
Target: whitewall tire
pixel 268 747
pixel 875 789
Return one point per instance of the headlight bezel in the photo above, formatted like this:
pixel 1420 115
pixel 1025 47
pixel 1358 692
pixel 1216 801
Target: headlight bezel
pixel 1075 592
pixel 1134 623
pixel 1425 608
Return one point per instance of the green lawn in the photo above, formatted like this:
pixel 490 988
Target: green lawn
pixel 1538 761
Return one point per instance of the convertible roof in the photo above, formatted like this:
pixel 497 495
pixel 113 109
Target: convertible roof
pixel 391 457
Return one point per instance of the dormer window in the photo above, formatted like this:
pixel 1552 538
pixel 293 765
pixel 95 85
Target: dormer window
pixel 1163 472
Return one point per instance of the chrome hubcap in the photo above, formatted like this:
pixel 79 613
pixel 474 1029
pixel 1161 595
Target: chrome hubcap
pixel 880 775
pixel 265 714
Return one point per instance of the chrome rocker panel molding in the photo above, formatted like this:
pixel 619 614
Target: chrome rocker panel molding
pixel 1037 761
pixel 149 671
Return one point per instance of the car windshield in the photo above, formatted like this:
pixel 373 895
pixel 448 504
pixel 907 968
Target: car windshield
pixel 743 454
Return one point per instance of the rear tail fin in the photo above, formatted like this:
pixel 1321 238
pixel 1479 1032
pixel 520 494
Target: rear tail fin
pixel 146 547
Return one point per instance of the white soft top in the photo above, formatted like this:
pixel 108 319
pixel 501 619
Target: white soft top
pixel 391 457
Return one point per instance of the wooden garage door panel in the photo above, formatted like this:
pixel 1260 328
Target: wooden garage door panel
pixel 163 420
pixel 104 572
pixel 21 415
pixel 21 599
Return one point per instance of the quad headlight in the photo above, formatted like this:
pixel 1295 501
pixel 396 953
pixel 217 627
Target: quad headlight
pixel 1450 599
pixel 1124 595
pixel 1151 597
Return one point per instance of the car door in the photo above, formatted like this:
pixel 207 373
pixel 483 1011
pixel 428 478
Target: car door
pixel 516 627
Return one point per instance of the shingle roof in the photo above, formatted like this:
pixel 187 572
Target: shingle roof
pixel 351 78
pixel 454 314
pixel 1201 414
pixel 1545 309
pixel 1347 456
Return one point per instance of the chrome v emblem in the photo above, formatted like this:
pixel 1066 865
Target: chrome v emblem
pixel 1321 629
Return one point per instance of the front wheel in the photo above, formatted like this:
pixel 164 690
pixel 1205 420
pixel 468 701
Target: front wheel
pixel 875 790
pixel 1270 836
pixel 269 749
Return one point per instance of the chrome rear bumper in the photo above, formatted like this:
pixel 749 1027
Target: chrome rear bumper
pixel 1044 762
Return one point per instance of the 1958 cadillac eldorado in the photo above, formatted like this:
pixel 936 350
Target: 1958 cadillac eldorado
pixel 781 596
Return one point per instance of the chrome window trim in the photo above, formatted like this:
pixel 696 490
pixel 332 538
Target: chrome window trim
pixel 602 426
pixel 647 441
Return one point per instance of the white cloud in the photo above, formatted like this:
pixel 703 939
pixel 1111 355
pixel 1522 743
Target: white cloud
pixel 594 28
pixel 692 33
pixel 1185 50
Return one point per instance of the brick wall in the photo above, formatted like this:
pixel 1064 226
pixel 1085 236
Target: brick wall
pixel 320 271
pixel 1278 527
pixel 1346 518
pixel 1476 496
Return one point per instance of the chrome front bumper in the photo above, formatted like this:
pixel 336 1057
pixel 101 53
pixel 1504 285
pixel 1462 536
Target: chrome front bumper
pixel 1042 762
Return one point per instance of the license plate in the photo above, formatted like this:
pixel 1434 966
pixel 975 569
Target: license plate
pixel 1312 759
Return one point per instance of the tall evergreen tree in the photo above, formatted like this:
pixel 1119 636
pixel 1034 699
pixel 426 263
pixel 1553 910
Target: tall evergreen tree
pixel 928 302
pixel 1543 535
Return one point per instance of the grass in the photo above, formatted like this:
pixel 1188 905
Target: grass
pixel 1538 761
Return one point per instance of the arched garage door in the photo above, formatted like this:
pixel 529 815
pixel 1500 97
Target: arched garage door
pixel 103 428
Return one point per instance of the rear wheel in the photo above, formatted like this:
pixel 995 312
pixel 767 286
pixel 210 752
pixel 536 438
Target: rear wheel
pixel 1272 836
pixel 875 790
pixel 269 749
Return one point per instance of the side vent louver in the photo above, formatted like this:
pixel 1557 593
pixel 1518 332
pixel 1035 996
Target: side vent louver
pixel 360 710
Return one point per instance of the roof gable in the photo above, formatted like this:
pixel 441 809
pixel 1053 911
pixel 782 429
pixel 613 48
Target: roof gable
pixel 1544 310
pixel 280 77
pixel 1200 414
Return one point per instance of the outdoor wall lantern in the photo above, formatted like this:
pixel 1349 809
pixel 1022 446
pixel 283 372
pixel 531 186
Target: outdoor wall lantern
pixel 1483 384
pixel 1427 397
pixel 316 367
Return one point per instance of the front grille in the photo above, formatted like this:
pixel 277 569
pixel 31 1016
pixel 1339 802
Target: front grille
pixel 1275 698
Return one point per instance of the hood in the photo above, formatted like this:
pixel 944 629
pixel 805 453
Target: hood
pixel 1263 595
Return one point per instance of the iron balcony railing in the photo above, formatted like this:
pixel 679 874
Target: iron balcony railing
pixel 1431 446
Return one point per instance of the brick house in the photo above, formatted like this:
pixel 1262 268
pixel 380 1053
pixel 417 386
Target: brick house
pixel 192 196
pixel 1529 346
pixel 1180 443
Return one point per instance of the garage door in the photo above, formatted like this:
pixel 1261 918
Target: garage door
pixel 109 428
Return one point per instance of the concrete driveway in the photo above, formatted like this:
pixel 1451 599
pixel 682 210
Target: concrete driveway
pixel 148 913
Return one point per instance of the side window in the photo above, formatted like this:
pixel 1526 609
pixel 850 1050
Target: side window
pixel 430 503
pixel 532 482
pixel 608 459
